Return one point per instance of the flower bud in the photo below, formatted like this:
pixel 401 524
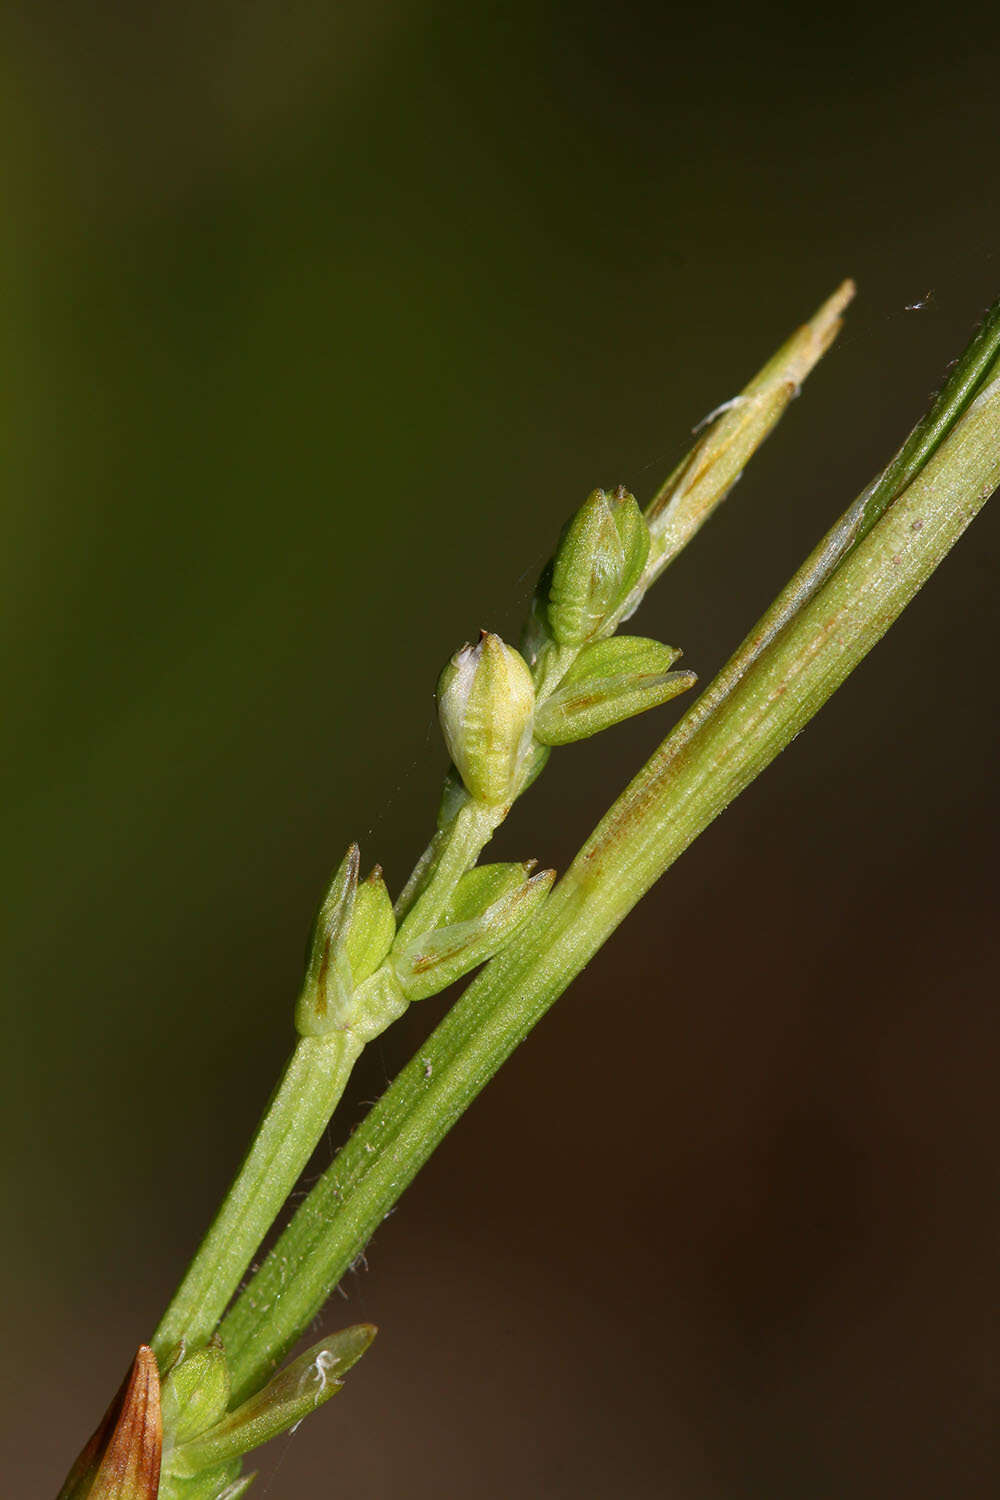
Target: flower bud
pixel 610 681
pixel 486 702
pixel 372 927
pixel 195 1393
pixel 351 937
pixel 598 562
pixel 328 985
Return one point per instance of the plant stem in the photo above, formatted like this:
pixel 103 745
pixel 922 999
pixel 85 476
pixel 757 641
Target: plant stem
pixel 688 781
pixel 970 373
pixel 457 850
pixel 301 1105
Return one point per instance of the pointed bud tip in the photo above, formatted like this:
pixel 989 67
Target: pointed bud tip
pixel 844 295
pixel 122 1459
pixel 816 336
pixel 544 880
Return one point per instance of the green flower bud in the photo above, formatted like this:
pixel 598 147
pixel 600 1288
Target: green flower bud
pixel 195 1394
pixel 486 702
pixel 291 1395
pixel 372 928
pixel 598 562
pixel 328 985
pixel 610 681
pixel 351 937
pixel 431 962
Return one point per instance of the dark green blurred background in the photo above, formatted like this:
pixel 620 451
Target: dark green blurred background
pixel 320 319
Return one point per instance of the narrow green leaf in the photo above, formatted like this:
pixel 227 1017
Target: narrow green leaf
pixel 290 1396
pixel 584 707
pixel 437 959
pixel 620 656
pixel 609 681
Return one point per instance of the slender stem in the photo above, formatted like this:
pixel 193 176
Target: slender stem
pixel 460 846
pixel 308 1092
pixel 674 797
pixel 969 375
pixel 299 1109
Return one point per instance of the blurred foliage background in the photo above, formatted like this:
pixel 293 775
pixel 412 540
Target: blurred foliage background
pixel 319 321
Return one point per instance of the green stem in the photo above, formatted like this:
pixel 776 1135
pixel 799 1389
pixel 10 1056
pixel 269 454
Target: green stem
pixel 456 851
pixel 297 1114
pixel 676 795
pixel 970 373
pixel 306 1096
